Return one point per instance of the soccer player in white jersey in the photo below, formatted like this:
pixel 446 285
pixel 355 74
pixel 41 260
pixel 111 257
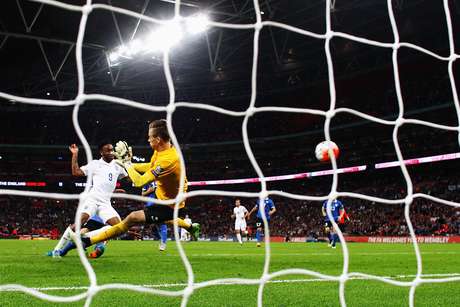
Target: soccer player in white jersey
pixel 239 214
pixel 105 174
pixel 184 234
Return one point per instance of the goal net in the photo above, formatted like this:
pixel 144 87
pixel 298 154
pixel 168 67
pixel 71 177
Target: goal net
pixel 251 110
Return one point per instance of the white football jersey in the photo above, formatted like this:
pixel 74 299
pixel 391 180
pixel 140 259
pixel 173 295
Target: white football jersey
pixel 105 177
pixel 188 221
pixel 239 212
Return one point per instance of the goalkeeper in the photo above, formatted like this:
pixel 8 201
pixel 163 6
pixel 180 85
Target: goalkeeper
pixel 165 170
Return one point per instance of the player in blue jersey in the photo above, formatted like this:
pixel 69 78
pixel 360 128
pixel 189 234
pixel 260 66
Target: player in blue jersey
pixel 269 207
pixel 337 212
pixel 149 190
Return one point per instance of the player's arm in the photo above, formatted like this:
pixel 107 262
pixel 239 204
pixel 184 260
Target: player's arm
pixel 159 170
pixel 323 210
pixel 272 207
pixel 139 173
pixel 139 180
pixel 252 210
pixel 341 212
pixel 76 170
pixel 141 167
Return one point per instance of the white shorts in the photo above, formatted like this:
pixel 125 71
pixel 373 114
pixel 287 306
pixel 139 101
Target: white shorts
pixel 103 210
pixel 240 225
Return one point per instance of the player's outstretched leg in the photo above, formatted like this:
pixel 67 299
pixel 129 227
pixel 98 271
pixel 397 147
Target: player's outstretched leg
pixel 55 253
pixel 67 248
pixel 106 233
pixel 65 238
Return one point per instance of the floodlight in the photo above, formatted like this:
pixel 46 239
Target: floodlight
pixel 114 56
pixel 166 37
pixel 135 46
pixel 197 23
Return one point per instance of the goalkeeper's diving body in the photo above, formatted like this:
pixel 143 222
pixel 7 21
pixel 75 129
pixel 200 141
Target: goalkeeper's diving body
pixel 165 169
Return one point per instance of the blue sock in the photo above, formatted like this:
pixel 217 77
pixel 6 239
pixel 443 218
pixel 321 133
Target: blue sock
pixel 100 245
pixel 258 236
pixel 163 233
pixel 337 239
pixel 329 236
pixel 68 247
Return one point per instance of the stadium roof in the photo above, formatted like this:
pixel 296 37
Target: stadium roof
pixel 37 46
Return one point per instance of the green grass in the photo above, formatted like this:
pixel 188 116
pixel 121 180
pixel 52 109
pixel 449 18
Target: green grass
pixel 140 263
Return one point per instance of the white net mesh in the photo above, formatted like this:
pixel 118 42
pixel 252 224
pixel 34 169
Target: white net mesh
pixel 191 286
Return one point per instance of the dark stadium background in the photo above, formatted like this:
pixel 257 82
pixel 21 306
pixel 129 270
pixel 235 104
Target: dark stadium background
pixel 215 69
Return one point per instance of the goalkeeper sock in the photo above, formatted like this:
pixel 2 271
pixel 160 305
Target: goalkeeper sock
pixel 163 233
pixel 109 233
pixel 238 236
pixel 180 222
pixel 64 239
pixel 96 232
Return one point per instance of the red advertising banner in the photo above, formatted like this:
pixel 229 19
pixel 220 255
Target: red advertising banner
pixel 277 239
pixel 420 239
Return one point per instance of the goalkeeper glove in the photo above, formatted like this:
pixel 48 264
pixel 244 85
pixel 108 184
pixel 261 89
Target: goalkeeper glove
pixel 123 151
pixel 123 154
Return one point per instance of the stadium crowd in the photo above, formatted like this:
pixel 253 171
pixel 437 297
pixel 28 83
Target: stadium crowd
pixel 360 143
pixel 294 218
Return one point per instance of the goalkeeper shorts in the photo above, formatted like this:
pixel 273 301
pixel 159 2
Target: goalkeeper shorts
pixel 157 214
pixel 92 225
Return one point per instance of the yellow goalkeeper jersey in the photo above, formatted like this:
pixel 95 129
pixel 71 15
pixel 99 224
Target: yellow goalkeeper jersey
pixel 164 168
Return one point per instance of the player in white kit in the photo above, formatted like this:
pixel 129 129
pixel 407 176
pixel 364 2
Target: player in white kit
pixel 105 174
pixel 239 214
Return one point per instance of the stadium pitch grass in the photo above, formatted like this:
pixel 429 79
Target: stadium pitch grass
pixel 140 263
